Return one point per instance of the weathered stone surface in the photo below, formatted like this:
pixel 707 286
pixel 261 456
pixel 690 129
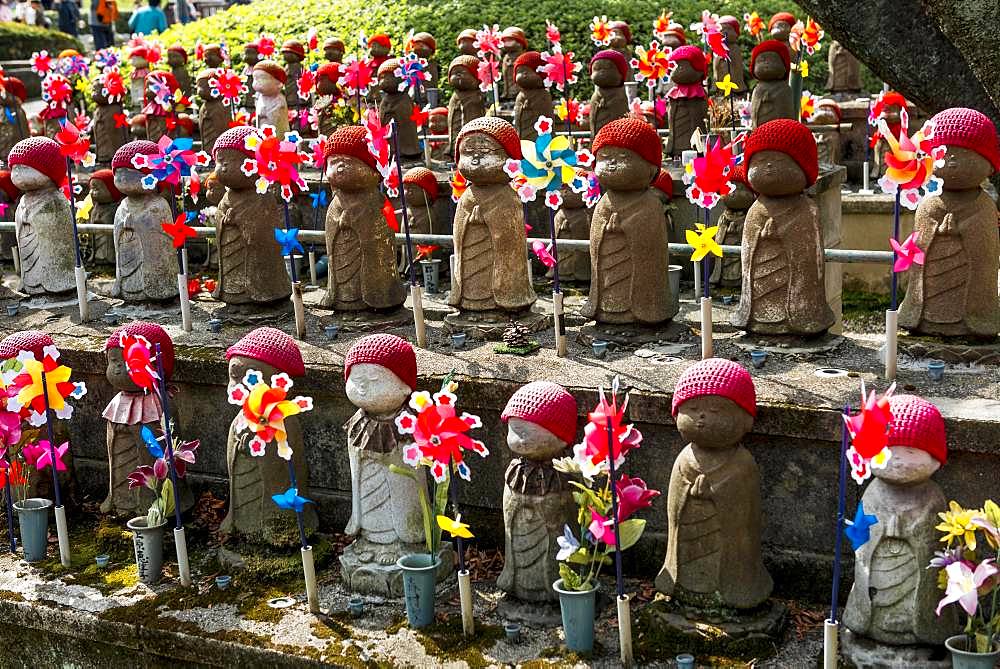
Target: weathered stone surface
pixel 572 221
pixel 466 101
pixel 270 102
pixel 44 234
pixel 396 106
pixel 861 653
pixel 772 96
pixel 145 261
pixel 609 100
pixel 845 71
pixel 213 115
pixel 685 113
pixel 533 100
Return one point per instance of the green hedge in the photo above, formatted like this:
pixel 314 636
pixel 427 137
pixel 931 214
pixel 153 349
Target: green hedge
pixel 19 41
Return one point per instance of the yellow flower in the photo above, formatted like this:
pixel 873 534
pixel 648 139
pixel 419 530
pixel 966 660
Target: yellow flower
pixel 83 208
pixel 455 528
pixel 727 86
pixel 703 242
pixel 957 524
pixel 804 69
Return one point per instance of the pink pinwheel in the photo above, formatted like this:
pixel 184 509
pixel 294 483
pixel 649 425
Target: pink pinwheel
pixel 306 84
pixel 552 33
pixel 276 160
pixel 488 73
pixel 907 253
pixel 488 42
pixel 41 63
pixel 57 92
pixel 558 68
pixel 709 24
pixel 318 148
pixel 543 253
pixel 10 427
pixel 592 453
pixel 45 456
pixel 355 75
pixel 593 192
pixel 440 435
pixel 964 583
pixel 112 85
pixel 708 177
pixel 31 453
pixel 265 45
pixel 600 33
pixel 378 145
pixel 226 84
pixel 869 431
pixel 652 64
pixel 910 162
pixel 633 495
pixel 716 41
pixel 601 528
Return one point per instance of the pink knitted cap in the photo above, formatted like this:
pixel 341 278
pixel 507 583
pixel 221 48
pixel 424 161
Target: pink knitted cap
pixel 546 404
pixel 386 350
pixel 716 376
pixel 154 334
pixel 27 340
pixel 140 147
pixel 234 139
pixel 970 129
pixel 918 424
pixel 690 53
pixel 42 154
pixel 272 347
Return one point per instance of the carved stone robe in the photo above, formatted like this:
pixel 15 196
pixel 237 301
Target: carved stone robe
pixel 45 242
pixel 606 105
pixel 251 268
pixel 145 260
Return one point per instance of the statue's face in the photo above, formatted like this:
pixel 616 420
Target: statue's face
pixel 350 174
pixel 213 59
pixel 100 192
pixel 250 55
pixel 781 30
pixel 129 181
pixel 963 169
pixel 618 39
pixel 824 114
pixel 907 465
pixel 511 45
pixel 214 190
pixel 334 54
pixel 265 84
pixel 228 169
pixel 117 373
pixel 377 50
pixel 239 365
pixel 415 196
pixel 376 389
pixel 685 73
pixel 775 173
pixel 622 169
pixel 671 41
pixel 713 421
pixel 532 441
pixel 290 57
pixel 571 199
pixel 730 33
pixel 438 124
pixel 527 77
pixel 741 198
pixel 768 66
pixel 462 79
pixel 138 62
pixel 481 159
pixel 466 46
pixel 422 50
pixel 174 59
pixel 388 83
pixel 324 86
pixel 605 74
pixel 204 88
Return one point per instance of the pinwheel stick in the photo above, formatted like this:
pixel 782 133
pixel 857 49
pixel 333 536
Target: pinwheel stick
pixel 183 566
pixel 464 580
pixel 308 566
pixel 416 295
pixel 892 314
pixel 895 236
pixel 624 615
pixel 298 307
pixel 79 272
pixel 831 625
pixel 182 290
pixel 10 513
pixel 60 511
pixel 493 76
pixel 423 126
pixel 557 296
pixel 705 268
pixel 732 106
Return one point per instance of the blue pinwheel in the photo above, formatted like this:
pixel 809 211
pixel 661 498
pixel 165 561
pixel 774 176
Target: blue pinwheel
pixel 549 162
pixel 318 199
pixel 859 531
pixel 152 442
pixel 289 240
pixel 412 72
pixel 175 160
pixel 291 500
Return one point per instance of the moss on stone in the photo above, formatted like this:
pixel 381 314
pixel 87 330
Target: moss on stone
pixel 10 596
pixel 265 564
pixel 89 540
pixel 447 641
pixel 654 640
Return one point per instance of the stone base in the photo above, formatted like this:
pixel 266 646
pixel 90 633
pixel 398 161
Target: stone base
pixel 632 334
pixel 256 314
pixel 788 344
pixel 490 325
pixel 859 652
pixel 536 614
pixel 368 321
pixel 951 352
pixel 384 580
pixel 754 634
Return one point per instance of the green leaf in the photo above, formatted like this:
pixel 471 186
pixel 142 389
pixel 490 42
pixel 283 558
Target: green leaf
pixel 403 471
pixel 167 498
pixel 571 580
pixel 629 533
pixel 982 643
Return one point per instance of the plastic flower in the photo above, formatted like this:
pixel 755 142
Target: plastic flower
pixel 601 528
pixel 558 68
pixel 755 25
pixel 106 58
pixel 548 162
pixel 592 453
pixel 652 64
pixel 703 241
pixel 552 33
pixel 708 177
pixel 143 476
pixel 440 435
pixel 139 360
pixel 661 24
pixel 957 523
pixel 600 33
pixel 12 473
pixel 910 162
pixel 31 394
pixel 355 75
pixel 593 192
pixel 412 72
pixel 227 84
pixel 276 160
pixel 567 544
pixel 964 584
pixel 179 231
pixel 907 253
pixel 458 186
pixel 455 528
pixel 291 500
pixel 727 85
pixel 633 495
pixel 869 432
pixel 44 453
pixel 488 42
pixel 265 408
pixel 809 34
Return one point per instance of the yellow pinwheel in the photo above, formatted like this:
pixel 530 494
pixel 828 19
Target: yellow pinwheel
pixel 703 241
pixel 84 208
pixel 455 528
pixel 727 85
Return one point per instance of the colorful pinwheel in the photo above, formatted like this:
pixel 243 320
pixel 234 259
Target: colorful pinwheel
pixel 558 68
pixel 652 64
pixel 276 160
pixel 703 241
pixel 661 24
pixel 265 408
pixel 755 25
pixel 807 108
pixel 175 161
pixel 488 73
pixel 412 72
pixel 600 33
pixel 378 145
pixel 591 454
pixel 869 432
pixel 73 65
pixel 593 192
pixel 569 110
pixel 291 500
pixel 440 435
pixel 552 33
pixel 458 186
pixel 549 162
pixel 139 361
pixel 910 162
pixel 808 34
pixel 57 92
pixel 488 42
pixel 112 85
pixel 355 75
pixel 41 63
pixel 226 84
pixel 709 24
pixel 289 241
pixel 179 231
pixel 31 394
pixel 708 177
pixel 107 58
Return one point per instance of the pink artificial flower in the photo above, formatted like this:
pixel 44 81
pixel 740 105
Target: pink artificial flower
pixel 45 456
pixel 601 528
pixel 10 428
pixel 142 476
pixel 488 42
pixel 488 73
pixel 964 584
pixel 592 453
pixel 559 69
pixel 633 495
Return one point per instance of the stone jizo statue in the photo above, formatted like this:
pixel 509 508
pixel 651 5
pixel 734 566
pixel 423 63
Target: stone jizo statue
pixel 772 96
pixel 730 27
pixel 844 78
pixel 533 99
pixel 466 42
pixel 293 52
pixel 333 50
pixel 573 222
pixel 621 41
pixel 514 43
pixel 780 26
pixel 425 46
pixel 726 271
pixel 106 199
pixel 608 71
pixel 213 115
pixel 268 82
pixel 12 98
pixel 396 105
pixel 466 103
pixel 688 104
pixel 177 59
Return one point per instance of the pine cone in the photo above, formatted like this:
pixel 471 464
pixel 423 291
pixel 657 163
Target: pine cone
pixel 517 336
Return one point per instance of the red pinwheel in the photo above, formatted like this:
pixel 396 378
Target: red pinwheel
pixel 121 120
pixel 73 144
pixel 179 231
pixel 552 32
pixel 139 360
pixel 439 434
pixel 306 84
pixel 592 452
pixel 558 68
pixel 112 85
pixel 57 92
pixel 717 43
pixel 419 116
pixel 265 45
pixel 708 177
pixel 869 432
pixel 41 63
pixel 488 41
pixel 276 160
pixel 226 84
pixel 312 39
pixel 378 145
pixel 356 75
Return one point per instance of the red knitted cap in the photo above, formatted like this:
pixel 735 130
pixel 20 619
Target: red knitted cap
pixel 380 38
pixel 385 350
pixel 531 59
pixel 329 71
pixel 349 140
pixel 16 86
pixel 12 191
pixel 107 177
pixel 732 21
pixel 42 154
pixel 665 183
pixel 497 128
pixel 970 129
pixel 918 424
pixel 178 49
pixel 614 57
pixel 791 138
pixel 235 139
pixel 273 69
pixel 828 103
pixel 425 38
pixel 332 42
pixel 716 376
pixel 546 404
pixel 26 340
pixel 691 54
pixel 775 46
pixel 272 347
pixel 154 334
pixel 123 156
pixel 622 26
pixel 787 17
pixel 423 177
pixel 515 34
pixel 471 63
pixel 631 133
pixel 388 66
pixel 294 46
pixel 439 111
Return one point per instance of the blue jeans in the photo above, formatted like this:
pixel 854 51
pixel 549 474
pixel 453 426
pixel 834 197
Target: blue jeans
pixel 104 36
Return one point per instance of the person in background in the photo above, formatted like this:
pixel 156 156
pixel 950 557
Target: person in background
pixel 31 13
pixel 149 19
pixel 69 17
pixel 103 14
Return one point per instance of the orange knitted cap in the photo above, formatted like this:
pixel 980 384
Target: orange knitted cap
pixel 273 69
pixel 350 140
